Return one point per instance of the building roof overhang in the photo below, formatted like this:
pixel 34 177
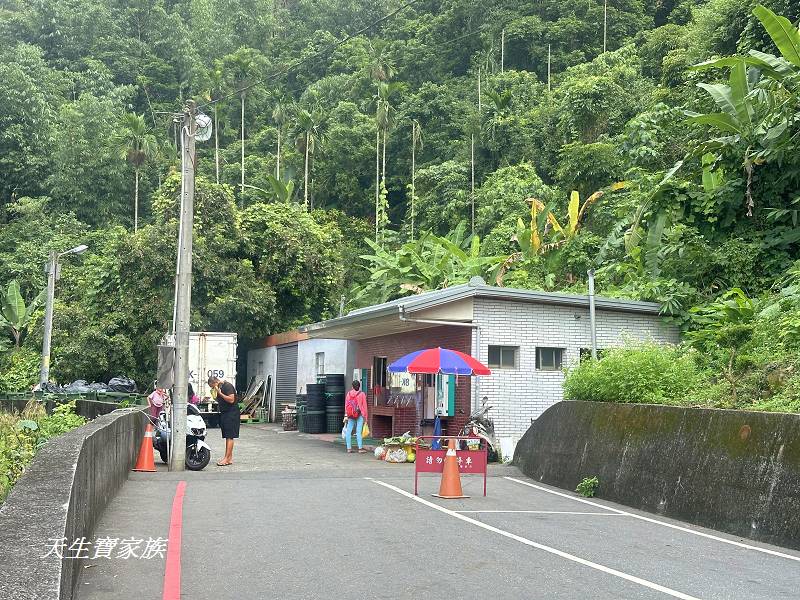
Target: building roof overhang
pixel 450 306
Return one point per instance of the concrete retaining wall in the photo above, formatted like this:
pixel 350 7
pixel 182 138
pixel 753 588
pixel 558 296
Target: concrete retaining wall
pixel 62 493
pixel 89 409
pixel 733 471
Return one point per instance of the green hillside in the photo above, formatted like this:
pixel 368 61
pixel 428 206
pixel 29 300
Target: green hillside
pixel 367 150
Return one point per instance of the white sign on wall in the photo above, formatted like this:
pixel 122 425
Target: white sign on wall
pixel 405 383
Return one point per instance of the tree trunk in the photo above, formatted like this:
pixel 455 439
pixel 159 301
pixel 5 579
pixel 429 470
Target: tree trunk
pixel 502 50
pixel 377 175
pixel 136 201
pixel 383 168
pixel 278 164
pixel 241 201
pixel 413 173
pixel 305 178
pixel 480 107
pixel 472 186
pixel 216 143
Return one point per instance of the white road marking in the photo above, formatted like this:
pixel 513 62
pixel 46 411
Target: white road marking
pixel 527 542
pixel 541 512
pixel 657 522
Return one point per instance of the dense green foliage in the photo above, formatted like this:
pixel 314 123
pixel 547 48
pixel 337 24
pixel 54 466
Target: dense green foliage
pixel 740 353
pixel 650 373
pixel 322 140
pixel 21 435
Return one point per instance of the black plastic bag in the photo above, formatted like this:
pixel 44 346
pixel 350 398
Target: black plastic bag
pixel 98 387
pixel 51 388
pixel 79 386
pixel 122 384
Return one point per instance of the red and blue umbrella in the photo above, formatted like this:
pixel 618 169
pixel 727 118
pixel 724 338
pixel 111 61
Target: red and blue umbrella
pixel 439 360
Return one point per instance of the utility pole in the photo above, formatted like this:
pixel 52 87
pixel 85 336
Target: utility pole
pixel 502 49
pixel 52 275
pixel 605 24
pixel 548 67
pixel 183 290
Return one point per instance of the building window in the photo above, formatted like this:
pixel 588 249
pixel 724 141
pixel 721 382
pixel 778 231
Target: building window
pixel 503 357
pixel 379 371
pixel 549 359
pixel 320 362
pixel 586 354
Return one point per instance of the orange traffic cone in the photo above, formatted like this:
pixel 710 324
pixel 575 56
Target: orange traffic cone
pixel 451 478
pixel 145 461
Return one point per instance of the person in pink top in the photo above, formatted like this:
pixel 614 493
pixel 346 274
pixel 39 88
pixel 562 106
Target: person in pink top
pixel 155 402
pixel 355 413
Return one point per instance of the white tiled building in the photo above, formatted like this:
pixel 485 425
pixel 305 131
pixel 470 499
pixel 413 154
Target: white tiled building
pixel 523 389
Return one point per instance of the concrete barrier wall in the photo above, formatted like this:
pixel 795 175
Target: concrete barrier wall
pixel 733 471
pixel 62 493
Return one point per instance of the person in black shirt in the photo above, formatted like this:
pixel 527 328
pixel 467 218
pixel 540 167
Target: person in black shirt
pixel 229 417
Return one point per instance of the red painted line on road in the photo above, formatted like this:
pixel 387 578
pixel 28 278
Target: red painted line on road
pixel 172 574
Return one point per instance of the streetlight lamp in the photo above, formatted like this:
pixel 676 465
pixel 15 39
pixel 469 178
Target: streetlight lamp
pixel 53 271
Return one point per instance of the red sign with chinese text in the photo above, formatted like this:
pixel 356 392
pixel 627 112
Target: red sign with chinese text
pixel 469 461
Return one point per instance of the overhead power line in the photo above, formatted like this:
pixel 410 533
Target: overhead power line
pixel 317 55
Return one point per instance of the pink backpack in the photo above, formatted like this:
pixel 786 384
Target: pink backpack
pixel 351 405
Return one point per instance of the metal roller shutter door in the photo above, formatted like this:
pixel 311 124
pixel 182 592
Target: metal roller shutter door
pixel 286 379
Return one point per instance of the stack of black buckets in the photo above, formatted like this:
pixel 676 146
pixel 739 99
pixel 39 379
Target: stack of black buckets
pixel 314 421
pixel 300 404
pixel 321 408
pixel 334 402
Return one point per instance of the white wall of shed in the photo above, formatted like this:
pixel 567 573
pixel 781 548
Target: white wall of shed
pixel 339 358
pixel 262 363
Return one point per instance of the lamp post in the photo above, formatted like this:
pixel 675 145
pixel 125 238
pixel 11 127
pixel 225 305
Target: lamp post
pixel 52 277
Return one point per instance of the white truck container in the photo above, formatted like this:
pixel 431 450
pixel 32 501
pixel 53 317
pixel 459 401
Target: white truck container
pixel 210 353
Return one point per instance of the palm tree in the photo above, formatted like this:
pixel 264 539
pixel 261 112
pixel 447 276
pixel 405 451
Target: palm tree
pixel 309 128
pixel 381 69
pixel 137 145
pixel 384 120
pixel 242 66
pixel 386 114
pixel 280 114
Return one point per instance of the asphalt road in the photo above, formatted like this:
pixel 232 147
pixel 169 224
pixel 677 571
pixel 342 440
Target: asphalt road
pixel 297 518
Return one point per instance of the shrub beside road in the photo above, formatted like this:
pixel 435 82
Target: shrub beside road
pixel 22 434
